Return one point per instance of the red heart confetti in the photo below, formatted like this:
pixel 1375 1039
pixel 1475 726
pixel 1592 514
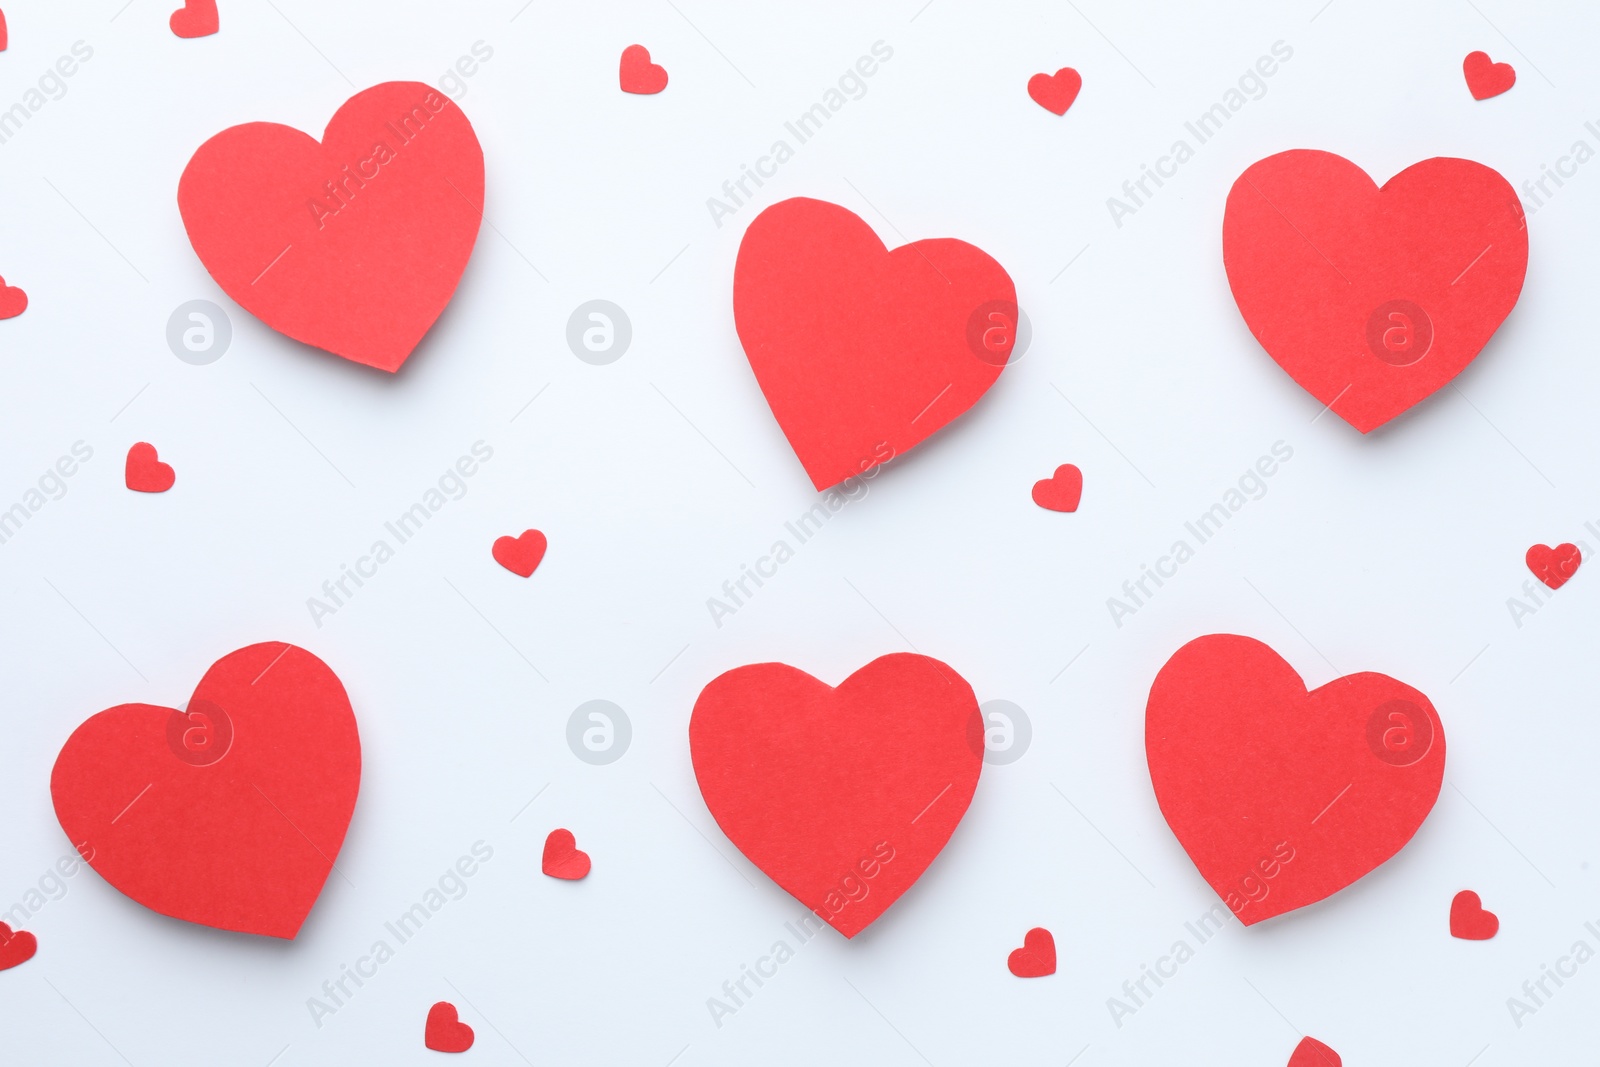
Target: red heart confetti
pixel 1312 1053
pixel 1061 491
pixel 1486 78
pixel 196 18
pixel 1055 92
pixel 1037 956
pixel 638 75
pixel 16 948
pixel 13 301
pixel 145 473
pixel 1470 920
pixel 562 857
pixel 1553 566
pixel 445 1031
pixel 520 555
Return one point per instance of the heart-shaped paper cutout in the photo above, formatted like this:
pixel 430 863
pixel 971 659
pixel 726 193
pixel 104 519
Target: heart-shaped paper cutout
pixel 1037 956
pixel 13 301
pixel 1061 491
pixel 1553 566
pixel 639 75
pixel 1312 1053
pixel 196 18
pixel 16 947
pixel 863 352
pixel 520 555
pixel 843 796
pixel 1470 920
pixel 1283 797
pixel 1055 92
pixel 445 1032
pixel 355 243
pixel 562 857
pixel 1373 299
pixel 145 473
pixel 1485 77
pixel 229 813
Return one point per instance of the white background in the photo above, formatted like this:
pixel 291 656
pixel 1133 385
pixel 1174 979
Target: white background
pixel 658 476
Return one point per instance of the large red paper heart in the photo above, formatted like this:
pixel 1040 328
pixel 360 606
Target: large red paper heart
pixel 1485 77
pixel 1282 797
pixel 638 75
pixel 1372 299
pixel 843 796
pixel 1055 92
pixel 445 1032
pixel 196 18
pixel 1553 566
pixel 863 352
pixel 1037 956
pixel 229 813
pixel 1470 920
pixel 354 244
pixel 16 947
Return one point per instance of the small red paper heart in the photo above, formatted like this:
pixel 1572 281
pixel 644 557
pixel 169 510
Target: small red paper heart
pixel 229 813
pixel 13 301
pixel 1470 920
pixel 1371 298
pixel 353 244
pixel 445 1031
pixel 145 473
pixel 196 18
pixel 1283 797
pixel 1055 92
pixel 520 555
pixel 1037 956
pixel 1553 566
pixel 860 351
pixel 1061 491
pixel 16 948
pixel 1312 1053
pixel 562 858
pixel 843 796
pixel 4 41
pixel 1486 78
pixel 638 74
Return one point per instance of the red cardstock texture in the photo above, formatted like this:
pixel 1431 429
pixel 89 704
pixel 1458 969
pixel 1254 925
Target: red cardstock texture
pixel 863 352
pixel 1373 299
pixel 445 1032
pixel 229 813
pixel 1283 797
pixel 353 244
pixel 843 796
